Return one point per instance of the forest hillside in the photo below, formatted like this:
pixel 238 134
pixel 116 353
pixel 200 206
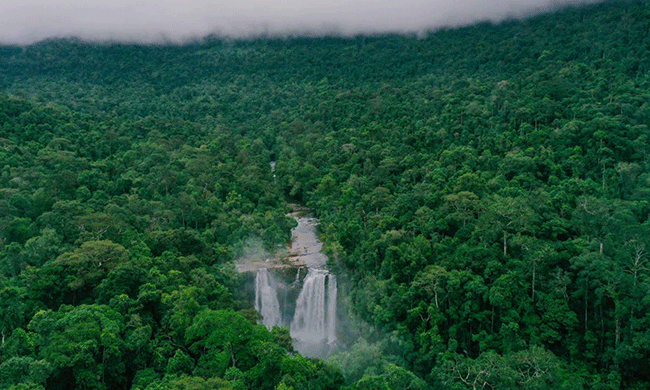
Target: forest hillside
pixel 484 189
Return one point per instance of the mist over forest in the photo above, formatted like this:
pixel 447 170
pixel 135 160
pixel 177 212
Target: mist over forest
pixel 167 21
pixel 481 191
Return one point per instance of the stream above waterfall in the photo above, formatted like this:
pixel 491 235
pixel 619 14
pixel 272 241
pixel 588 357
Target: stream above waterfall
pixel 303 250
pixel 297 290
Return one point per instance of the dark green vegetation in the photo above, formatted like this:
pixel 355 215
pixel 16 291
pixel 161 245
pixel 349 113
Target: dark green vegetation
pixel 487 190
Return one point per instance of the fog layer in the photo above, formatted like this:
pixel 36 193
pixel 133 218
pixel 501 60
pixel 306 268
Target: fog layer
pixel 27 21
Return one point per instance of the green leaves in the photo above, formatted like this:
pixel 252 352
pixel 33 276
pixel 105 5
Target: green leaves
pixel 486 187
pixel 25 370
pixel 87 265
pixel 534 368
pixel 84 343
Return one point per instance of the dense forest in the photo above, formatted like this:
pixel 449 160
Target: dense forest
pixel 485 190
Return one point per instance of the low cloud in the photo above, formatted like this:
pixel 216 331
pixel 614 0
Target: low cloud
pixel 151 21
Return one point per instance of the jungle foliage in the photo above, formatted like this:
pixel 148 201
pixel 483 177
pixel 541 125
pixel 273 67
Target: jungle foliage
pixel 486 189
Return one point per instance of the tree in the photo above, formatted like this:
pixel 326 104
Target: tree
pixel 227 333
pixel 508 215
pixel 24 370
pixel 82 344
pixel 84 268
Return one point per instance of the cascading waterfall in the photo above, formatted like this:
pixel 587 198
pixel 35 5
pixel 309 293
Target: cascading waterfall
pixel 266 299
pixel 308 303
pixel 315 318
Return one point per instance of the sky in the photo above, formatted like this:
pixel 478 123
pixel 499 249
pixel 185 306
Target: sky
pixel 154 21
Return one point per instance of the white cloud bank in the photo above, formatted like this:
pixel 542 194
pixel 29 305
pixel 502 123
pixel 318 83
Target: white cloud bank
pixel 27 21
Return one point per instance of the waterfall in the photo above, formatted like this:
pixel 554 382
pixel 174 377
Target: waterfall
pixel 266 299
pixel 315 318
pixel 297 281
pixel 305 300
pixel 331 309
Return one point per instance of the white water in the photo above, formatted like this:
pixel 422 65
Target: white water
pixel 266 299
pixel 314 321
pixel 308 302
pixel 332 293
